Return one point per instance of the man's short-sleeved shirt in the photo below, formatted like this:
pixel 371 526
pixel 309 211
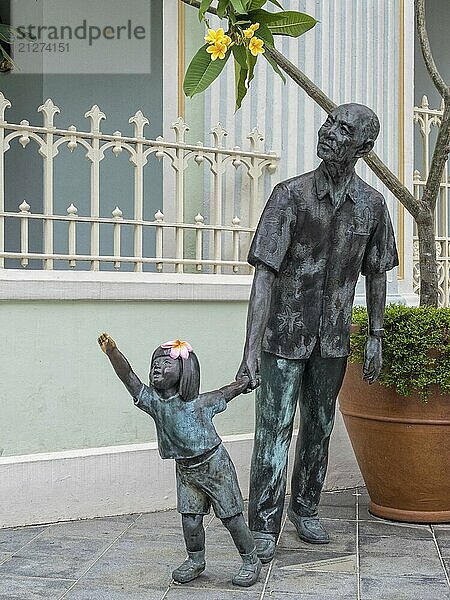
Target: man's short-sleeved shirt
pixel 317 251
pixel 184 429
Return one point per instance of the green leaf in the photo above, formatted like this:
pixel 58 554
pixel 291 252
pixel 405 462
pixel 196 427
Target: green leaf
pixel 276 4
pixel 274 66
pixel 240 76
pixel 292 23
pixel 204 5
pixel 251 62
pixel 264 33
pixel 264 16
pixel 221 8
pixel 240 55
pixel 238 7
pixel 255 4
pixel 202 71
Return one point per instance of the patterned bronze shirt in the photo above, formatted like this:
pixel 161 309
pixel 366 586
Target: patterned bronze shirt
pixel 317 251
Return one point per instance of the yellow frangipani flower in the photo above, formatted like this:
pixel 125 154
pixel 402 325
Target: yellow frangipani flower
pixel 217 36
pixel 217 50
pixel 249 33
pixel 256 46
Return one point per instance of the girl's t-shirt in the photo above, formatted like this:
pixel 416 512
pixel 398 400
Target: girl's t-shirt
pixel 184 429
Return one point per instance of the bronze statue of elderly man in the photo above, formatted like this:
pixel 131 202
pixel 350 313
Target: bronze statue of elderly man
pixel 317 233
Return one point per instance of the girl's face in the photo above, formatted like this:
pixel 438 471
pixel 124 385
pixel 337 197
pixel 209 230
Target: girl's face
pixel 165 373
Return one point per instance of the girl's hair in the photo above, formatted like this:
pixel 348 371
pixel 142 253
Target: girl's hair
pixel 190 373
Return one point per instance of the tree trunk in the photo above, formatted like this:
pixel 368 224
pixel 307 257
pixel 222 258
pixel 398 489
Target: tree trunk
pixel 427 257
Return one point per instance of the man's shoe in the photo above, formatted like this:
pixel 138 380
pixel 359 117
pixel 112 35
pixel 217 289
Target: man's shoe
pixel 192 567
pixel 249 572
pixel 265 545
pixel 309 529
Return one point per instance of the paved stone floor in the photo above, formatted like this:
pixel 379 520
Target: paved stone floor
pixel 131 557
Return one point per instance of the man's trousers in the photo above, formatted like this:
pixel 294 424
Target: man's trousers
pixel 314 383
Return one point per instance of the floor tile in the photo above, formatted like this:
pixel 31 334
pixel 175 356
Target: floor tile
pixel 443 540
pixel 323 586
pixel 12 539
pixel 138 563
pixel 391 528
pixel 179 592
pixel 398 557
pixel 404 588
pixel 447 566
pixel 158 520
pixel 338 505
pixel 342 537
pixel 54 557
pixel 110 592
pixel 13 587
pixel 302 595
pixel 106 528
pixel 324 560
pixel 338 498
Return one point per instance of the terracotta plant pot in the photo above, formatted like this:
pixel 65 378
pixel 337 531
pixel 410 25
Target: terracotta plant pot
pixel 402 446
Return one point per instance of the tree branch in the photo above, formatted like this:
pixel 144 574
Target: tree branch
pixel 441 86
pixel 383 172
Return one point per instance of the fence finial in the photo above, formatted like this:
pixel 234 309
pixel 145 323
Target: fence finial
pixel 219 134
pixel 425 103
pixel 255 137
pixel 117 213
pixel 180 127
pixel 72 211
pixel 49 110
pixel 24 207
pixel 4 104
pixel 139 121
pixel 95 115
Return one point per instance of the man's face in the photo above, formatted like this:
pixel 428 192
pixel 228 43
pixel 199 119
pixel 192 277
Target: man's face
pixel 165 373
pixel 341 136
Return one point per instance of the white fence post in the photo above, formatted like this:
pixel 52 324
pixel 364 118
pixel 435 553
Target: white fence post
pixel 179 165
pixel 117 216
pixel 139 161
pixel 200 222
pixel 24 212
pixel 95 115
pixel 219 134
pixel 159 220
pixel 72 211
pixel 48 152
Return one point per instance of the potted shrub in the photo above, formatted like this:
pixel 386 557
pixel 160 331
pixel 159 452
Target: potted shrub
pixel 400 426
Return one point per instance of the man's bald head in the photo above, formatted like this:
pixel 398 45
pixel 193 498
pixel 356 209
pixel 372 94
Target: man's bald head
pixel 348 134
pixel 369 123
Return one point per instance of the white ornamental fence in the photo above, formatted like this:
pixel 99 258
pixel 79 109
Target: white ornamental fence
pixel 184 242
pixel 428 121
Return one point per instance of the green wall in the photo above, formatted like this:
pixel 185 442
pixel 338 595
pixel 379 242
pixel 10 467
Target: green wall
pixel 59 391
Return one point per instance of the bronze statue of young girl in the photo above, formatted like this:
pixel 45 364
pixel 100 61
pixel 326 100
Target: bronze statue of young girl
pixel 204 471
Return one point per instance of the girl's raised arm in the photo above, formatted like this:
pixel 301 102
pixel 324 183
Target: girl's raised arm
pixel 120 364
